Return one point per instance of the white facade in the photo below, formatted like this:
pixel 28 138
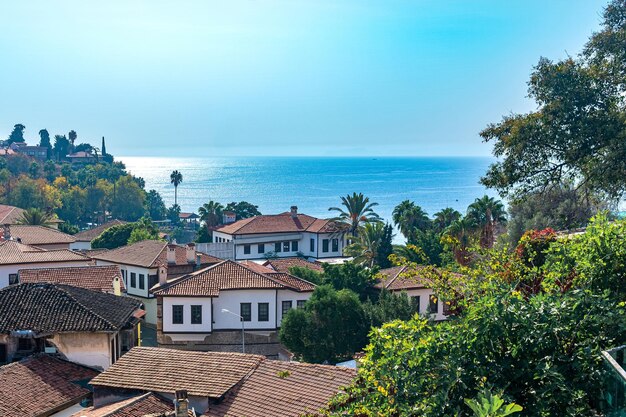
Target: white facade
pixel 187 326
pixel 231 300
pixel 283 245
pixel 80 245
pixel 424 297
pixel 8 270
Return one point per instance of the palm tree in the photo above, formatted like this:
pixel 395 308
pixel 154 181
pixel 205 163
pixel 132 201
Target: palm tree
pixel 211 213
pixel 487 213
pixel 459 235
pixel 35 217
pixel 358 212
pixel 445 218
pixel 176 178
pixel 365 248
pixel 409 217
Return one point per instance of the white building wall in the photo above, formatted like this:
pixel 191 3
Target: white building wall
pixel 80 246
pixel 231 299
pixel 330 254
pixel 5 270
pixel 187 302
pixel 293 296
pixel 424 294
pixel 91 349
pixel 127 270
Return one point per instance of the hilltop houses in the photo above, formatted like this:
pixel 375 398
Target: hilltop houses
pixel 140 262
pixel 87 327
pixel 206 310
pixel 287 234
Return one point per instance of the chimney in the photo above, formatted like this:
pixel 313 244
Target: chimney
pixel 191 252
pixel 229 217
pixel 162 272
pixel 117 288
pixel 198 261
pixel 294 212
pixel 6 232
pixel 181 404
pixel 171 254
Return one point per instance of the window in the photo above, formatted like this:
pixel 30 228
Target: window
pixel 133 280
pixel 324 245
pixel 312 245
pixel 261 248
pixel 300 303
pixel 264 311
pixel 415 303
pixel 152 280
pixel 245 311
pixel 177 314
pixel 246 249
pixel 286 307
pixel 294 246
pixel 196 314
pixel 335 245
pixel 13 279
pixel 142 282
pixel 433 306
pixel 24 343
pixel 277 247
pixel 285 246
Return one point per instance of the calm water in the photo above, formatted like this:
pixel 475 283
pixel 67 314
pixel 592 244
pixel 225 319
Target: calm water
pixel 314 184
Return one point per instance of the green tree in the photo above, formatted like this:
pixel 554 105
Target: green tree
pixel 44 141
pixel 155 205
pixel 17 135
pixel 488 213
pixel 488 404
pixel 243 209
pixel 173 214
pixel 366 245
pixel 350 276
pixel 444 218
pixel 128 202
pixel 385 248
pixel 35 216
pixel 409 218
pixel 50 170
pixel 429 241
pixel 34 170
pixel 61 147
pixel 176 178
pixel 314 332
pixel 72 136
pixel 139 234
pixel 358 212
pixel 211 213
pixel 204 235
pixel 577 132
pixel 113 237
pixel 459 237
pixel 388 307
pixel 307 274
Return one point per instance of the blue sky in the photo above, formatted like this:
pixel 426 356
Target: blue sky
pixel 325 77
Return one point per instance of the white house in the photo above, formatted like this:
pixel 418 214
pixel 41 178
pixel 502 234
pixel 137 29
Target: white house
pixel 87 327
pixel 207 309
pixel 287 234
pixel 405 279
pixel 139 265
pixel 15 256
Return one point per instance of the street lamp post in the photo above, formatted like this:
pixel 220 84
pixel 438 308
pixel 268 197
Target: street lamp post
pixel 243 329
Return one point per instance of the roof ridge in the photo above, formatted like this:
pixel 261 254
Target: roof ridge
pixel 392 280
pixel 294 277
pixel 264 275
pixel 135 400
pixel 158 254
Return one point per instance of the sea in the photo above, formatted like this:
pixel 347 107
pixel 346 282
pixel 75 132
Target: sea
pixel 314 184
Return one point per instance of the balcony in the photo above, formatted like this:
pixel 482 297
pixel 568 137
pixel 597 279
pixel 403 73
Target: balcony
pixel 614 401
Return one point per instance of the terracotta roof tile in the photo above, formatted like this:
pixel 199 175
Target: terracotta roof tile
pixel 12 252
pixel 150 254
pixel 51 308
pixel 283 264
pixel 138 406
pixel 286 389
pixel 257 267
pixel 230 275
pixel 41 384
pixel 205 374
pixel 10 214
pixel 91 234
pixel 39 235
pixel 400 278
pixel 277 223
pixel 95 278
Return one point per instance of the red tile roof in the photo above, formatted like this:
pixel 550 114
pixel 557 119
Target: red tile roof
pixel 91 234
pixel 12 252
pixel 95 278
pixel 283 264
pixel 41 385
pixel 229 275
pixel 400 278
pixel 139 406
pixel 11 215
pixel 204 374
pixel 150 254
pixel 39 235
pixel 278 223
pixel 286 389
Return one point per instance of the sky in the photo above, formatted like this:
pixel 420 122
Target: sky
pixel 279 77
